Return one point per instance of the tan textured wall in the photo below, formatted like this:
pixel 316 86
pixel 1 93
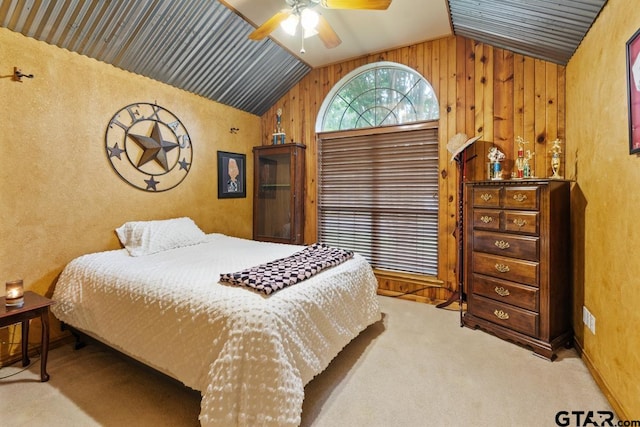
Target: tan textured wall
pixel 605 205
pixel 59 195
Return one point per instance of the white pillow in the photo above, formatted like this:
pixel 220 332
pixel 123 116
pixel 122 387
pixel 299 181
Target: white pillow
pixel 148 237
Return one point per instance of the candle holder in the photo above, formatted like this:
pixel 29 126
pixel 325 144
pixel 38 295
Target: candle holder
pixel 15 294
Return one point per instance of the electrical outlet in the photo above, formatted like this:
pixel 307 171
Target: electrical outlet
pixel 589 319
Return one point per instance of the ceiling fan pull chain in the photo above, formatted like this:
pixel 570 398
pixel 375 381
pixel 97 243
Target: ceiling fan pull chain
pixel 302 51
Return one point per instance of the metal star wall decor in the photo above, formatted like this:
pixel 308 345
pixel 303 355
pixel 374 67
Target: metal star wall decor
pixel 149 147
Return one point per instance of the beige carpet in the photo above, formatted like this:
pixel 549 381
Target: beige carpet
pixel 417 367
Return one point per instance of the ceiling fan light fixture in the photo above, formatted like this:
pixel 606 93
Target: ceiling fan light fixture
pixel 309 33
pixel 302 13
pixel 309 19
pixel 290 24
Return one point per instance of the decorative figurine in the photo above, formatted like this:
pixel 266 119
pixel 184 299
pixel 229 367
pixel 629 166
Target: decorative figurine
pixel 520 164
pixel 279 120
pixel 555 159
pixel 279 135
pixel 495 168
pixel 527 167
pixel 520 161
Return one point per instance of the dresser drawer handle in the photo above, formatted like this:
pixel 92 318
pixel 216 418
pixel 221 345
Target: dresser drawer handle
pixel 502 268
pixel 502 291
pixel 486 197
pixel 501 244
pixel 486 219
pixel 520 222
pixel 501 314
pixel 519 197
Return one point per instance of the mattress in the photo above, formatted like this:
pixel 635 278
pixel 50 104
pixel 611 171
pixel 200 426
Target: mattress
pixel 249 354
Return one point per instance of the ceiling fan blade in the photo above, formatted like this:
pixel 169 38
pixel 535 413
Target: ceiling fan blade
pixel 356 4
pixel 272 23
pixel 326 34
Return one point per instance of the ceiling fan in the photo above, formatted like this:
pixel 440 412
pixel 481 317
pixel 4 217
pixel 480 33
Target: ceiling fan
pixel 301 13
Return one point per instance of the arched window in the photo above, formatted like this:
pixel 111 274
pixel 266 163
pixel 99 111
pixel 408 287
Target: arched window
pixel 378 94
pixel 378 168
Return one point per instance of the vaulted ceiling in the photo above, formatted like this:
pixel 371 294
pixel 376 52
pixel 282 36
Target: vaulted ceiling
pixel 202 46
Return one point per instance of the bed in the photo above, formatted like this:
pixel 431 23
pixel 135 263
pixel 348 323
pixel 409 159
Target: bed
pixel 249 354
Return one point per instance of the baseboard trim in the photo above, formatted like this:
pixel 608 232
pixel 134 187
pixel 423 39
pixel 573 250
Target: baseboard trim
pixel 602 384
pixel 408 296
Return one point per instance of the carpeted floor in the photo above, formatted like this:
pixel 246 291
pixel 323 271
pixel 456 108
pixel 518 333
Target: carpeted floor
pixel 417 367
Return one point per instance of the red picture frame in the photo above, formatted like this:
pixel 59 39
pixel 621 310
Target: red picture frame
pixel 633 91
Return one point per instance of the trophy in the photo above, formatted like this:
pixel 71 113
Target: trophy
pixel 555 159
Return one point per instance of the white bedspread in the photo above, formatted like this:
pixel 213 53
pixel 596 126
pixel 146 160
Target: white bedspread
pixel 250 355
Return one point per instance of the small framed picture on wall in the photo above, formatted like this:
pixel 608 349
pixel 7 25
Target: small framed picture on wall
pixel 633 90
pixel 232 172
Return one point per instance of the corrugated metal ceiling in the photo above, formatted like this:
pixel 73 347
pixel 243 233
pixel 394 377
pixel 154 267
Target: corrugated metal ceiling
pixel 546 29
pixel 197 45
pixel 202 46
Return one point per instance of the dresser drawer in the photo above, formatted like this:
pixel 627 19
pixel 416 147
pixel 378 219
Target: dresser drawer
pixel 521 222
pixel 521 198
pixel 506 244
pixel 486 218
pixel 505 268
pixel 486 196
pixel 508 292
pixel 506 315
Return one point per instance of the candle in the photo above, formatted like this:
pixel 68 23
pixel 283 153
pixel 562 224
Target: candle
pixel 15 293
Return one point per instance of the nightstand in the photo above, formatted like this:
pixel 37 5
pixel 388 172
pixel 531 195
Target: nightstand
pixel 35 305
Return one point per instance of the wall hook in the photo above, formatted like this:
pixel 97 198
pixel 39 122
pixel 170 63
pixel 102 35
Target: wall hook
pixel 234 130
pixel 18 75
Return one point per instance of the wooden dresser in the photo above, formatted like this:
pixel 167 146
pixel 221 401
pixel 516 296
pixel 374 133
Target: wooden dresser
pixel 517 261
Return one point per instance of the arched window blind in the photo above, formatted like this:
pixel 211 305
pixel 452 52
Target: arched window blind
pixel 378 196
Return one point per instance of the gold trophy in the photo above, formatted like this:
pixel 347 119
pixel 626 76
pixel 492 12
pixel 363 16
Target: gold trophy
pixel 555 159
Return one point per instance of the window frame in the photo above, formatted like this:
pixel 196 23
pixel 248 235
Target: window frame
pixel 328 102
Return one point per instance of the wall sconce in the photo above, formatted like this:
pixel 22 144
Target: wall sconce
pixel 18 75
pixel 15 293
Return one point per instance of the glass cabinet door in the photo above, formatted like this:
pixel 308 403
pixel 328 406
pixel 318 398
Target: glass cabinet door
pixel 278 193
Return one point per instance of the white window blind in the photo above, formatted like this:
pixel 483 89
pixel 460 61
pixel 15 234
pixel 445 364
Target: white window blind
pixel 378 196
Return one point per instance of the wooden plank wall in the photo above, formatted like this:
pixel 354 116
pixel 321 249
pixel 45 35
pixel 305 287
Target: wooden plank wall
pixel 482 90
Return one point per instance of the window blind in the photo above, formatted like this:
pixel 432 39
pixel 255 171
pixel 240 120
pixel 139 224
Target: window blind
pixel 378 196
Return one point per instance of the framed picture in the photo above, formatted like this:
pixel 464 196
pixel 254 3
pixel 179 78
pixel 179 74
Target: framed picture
pixel 232 171
pixel 633 89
